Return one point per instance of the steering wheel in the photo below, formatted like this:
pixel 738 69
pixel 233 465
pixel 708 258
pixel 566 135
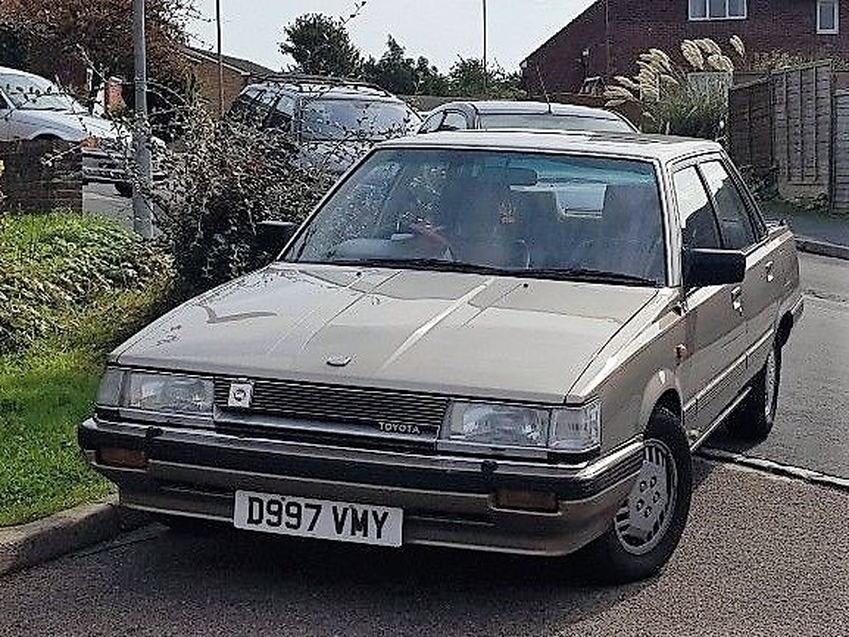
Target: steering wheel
pixel 434 235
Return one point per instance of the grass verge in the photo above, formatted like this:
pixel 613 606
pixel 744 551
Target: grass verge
pixel 48 387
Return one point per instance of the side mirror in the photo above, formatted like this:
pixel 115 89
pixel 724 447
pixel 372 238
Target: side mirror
pixel 704 267
pixel 273 235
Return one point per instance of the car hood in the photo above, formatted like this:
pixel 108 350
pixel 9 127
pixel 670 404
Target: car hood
pixel 454 333
pixel 73 127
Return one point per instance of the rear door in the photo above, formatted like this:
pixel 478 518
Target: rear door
pixel 713 363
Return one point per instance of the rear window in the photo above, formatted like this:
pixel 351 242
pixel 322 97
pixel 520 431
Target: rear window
pixel 554 122
pixel 335 119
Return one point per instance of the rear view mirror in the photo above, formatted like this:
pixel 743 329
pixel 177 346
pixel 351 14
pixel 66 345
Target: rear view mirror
pixel 272 236
pixel 704 267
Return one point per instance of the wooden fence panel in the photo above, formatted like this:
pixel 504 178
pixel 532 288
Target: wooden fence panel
pixel 750 125
pixel 840 191
pixel 802 129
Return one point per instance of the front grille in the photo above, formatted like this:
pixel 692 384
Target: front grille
pixel 352 406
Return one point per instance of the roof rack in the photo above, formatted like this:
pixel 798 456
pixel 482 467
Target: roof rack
pixel 303 78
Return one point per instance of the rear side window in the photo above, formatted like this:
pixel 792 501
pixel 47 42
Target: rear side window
pixel 432 123
pixel 735 226
pixel 698 222
pixel 243 107
pixel 454 121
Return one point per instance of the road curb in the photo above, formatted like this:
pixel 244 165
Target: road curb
pixel 774 468
pixel 822 248
pixel 30 544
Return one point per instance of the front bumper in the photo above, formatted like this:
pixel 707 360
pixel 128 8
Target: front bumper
pixel 110 167
pixel 447 500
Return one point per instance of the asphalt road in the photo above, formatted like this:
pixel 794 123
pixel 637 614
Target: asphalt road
pixel 760 557
pixel 102 199
pixel 812 426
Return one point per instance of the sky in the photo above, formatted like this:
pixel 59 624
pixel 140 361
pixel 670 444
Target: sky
pixel 440 30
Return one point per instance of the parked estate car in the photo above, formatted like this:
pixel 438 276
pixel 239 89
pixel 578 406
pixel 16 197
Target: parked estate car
pixel 332 121
pixel 507 341
pixel 511 114
pixel 33 107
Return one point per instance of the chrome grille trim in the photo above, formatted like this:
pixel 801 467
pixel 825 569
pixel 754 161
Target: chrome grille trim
pixel 335 403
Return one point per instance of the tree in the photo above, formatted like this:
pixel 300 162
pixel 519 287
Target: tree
pixel 320 45
pixel 393 71
pixel 468 78
pixel 65 37
pixel 402 75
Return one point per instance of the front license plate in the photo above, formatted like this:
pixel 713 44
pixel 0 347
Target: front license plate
pixel 323 519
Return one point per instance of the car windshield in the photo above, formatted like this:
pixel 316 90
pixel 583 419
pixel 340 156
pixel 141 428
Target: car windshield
pixel 36 94
pixel 554 122
pixel 337 119
pixel 526 214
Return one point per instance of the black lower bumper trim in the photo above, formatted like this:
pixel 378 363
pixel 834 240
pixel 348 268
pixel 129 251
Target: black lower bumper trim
pixel 232 454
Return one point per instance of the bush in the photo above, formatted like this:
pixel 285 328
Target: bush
pixel 226 178
pixel 53 265
pixel 690 100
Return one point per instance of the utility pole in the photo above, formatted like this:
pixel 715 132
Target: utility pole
pixel 142 222
pixel 220 60
pixel 485 78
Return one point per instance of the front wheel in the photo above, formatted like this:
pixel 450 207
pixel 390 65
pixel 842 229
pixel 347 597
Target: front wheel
pixel 649 524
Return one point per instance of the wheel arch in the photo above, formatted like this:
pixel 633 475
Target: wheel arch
pixel 662 390
pixel 785 326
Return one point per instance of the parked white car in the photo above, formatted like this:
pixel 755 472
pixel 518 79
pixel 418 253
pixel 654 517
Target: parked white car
pixel 33 107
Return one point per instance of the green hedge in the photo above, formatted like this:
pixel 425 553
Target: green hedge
pixel 52 266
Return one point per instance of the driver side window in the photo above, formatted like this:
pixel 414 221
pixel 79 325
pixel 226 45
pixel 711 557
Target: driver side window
pixel 698 221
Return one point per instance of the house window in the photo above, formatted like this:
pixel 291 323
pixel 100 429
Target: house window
pixel 717 9
pixel 828 16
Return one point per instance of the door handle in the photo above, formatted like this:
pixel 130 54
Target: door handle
pixel 737 299
pixel 770 271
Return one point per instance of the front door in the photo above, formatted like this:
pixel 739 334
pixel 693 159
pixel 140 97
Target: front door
pixel 714 365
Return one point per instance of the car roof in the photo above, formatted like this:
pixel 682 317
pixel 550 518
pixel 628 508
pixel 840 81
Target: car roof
pixel 330 88
pixel 630 145
pixel 503 107
pixel 6 70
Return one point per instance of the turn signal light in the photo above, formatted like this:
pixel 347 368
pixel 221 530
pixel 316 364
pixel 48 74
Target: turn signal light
pixel 526 500
pixel 126 458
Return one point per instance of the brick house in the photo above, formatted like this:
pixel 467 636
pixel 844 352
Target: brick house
pixel 238 73
pixel 606 39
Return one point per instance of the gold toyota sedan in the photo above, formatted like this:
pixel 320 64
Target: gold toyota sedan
pixel 504 341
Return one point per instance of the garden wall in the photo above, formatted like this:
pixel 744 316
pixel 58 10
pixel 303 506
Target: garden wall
pixel 40 176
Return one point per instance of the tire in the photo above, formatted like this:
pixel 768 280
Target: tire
pixel 754 418
pixel 124 189
pixel 643 535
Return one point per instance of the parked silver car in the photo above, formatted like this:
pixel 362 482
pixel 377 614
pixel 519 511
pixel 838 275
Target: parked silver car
pixel 332 122
pixel 33 107
pixel 498 114
pixel 505 341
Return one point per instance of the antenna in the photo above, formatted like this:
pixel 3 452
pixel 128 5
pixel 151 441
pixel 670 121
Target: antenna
pixel 544 90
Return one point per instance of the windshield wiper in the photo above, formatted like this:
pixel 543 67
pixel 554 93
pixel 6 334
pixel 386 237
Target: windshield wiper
pixel 587 274
pixel 441 265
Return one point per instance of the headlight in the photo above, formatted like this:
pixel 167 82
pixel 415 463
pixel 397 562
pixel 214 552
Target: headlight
pixel 156 392
pixel 168 393
pixel 499 425
pixel 564 429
